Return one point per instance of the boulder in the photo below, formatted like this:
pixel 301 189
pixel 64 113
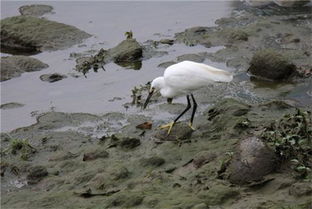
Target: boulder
pixel 251 161
pixel 27 34
pixel 14 66
pixel 271 65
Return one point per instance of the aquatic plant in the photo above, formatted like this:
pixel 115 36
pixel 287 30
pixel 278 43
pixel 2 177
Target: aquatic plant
pixel 22 146
pixel 290 137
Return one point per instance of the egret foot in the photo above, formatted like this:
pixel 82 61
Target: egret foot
pixel 191 126
pixel 169 126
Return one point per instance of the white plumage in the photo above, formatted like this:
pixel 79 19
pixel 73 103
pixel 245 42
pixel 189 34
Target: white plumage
pixel 183 78
pixel 186 76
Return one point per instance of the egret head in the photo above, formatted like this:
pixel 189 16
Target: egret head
pixel 156 85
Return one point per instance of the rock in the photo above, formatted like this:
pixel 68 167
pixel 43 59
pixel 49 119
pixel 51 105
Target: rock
pixel 237 35
pixel 271 65
pixel 129 143
pixel 14 66
pixel 11 105
pixel 133 200
pixel 35 10
pixel 300 189
pixel 27 34
pixel 95 154
pixel 118 173
pixel 191 57
pixel 167 41
pixel 180 132
pixel 251 161
pixel 154 161
pixel 52 77
pixel 195 35
pixel 36 174
pixel 166 64
pixel 203 158
pixel 127 51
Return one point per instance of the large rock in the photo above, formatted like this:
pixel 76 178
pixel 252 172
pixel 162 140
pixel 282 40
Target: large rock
pixel 128 53
pixel 251 162
pixel 271 65
pixel 35 10
pixel 14 66
pixel 27 34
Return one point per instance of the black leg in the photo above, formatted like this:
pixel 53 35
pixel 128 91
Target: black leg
pixel 194 108
pixel 186 109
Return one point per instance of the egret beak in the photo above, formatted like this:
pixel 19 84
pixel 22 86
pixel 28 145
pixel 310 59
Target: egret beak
pixel 150 94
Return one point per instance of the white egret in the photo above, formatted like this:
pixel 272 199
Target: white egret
pixel 183 78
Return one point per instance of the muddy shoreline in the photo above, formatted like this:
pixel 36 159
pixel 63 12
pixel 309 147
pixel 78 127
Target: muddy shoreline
pixel 251 147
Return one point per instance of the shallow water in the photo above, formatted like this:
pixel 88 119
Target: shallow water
pixel 107 21
pixel 108 91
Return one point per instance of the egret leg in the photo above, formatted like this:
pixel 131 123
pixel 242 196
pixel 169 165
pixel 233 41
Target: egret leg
pixel 170 125
pixel 193 112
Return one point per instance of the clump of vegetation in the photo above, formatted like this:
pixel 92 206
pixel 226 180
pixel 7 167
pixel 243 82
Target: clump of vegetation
pixel 22 146
pixel 291 137
pixel 94 62
pixel 138 92
pixel 129 34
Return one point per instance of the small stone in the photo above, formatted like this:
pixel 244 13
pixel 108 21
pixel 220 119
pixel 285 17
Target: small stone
pixel 154 161
pixel 130 143
pixel 145 125
pixel 300 189
pixel 36 174
pixel 52 77
pixel 93 155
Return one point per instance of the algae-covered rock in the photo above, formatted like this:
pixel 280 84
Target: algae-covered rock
pixel 95 154
pixel 300 189
pixel 11 105
pixel 179 132
pixel 251 162
pixel 166 64
pixel 14 66
pixel 127 54
pixel 154 161
pixel 27 34
pixel 35 10
pixel 52 77
pixel 36 173
pixel 269 64
pixel 192 57
pixel 128 50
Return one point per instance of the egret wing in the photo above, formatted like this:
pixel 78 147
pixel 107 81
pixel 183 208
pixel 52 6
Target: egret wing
pixel 189 75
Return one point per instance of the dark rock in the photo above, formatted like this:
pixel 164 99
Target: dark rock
pixel 152 161
pixel 179 132
pixel 167 41
pixel 251 161
pixel 95 154
pixel 129 143
pixel 52 77
pixel 300 189
pixel 11 105
pixel 36 174
pixel 192 57
pixel 14 66
pixel 271 65
pixel 35 10
pixel 203 158
pixel 127 51
pixel 27 34
pixel 166 64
